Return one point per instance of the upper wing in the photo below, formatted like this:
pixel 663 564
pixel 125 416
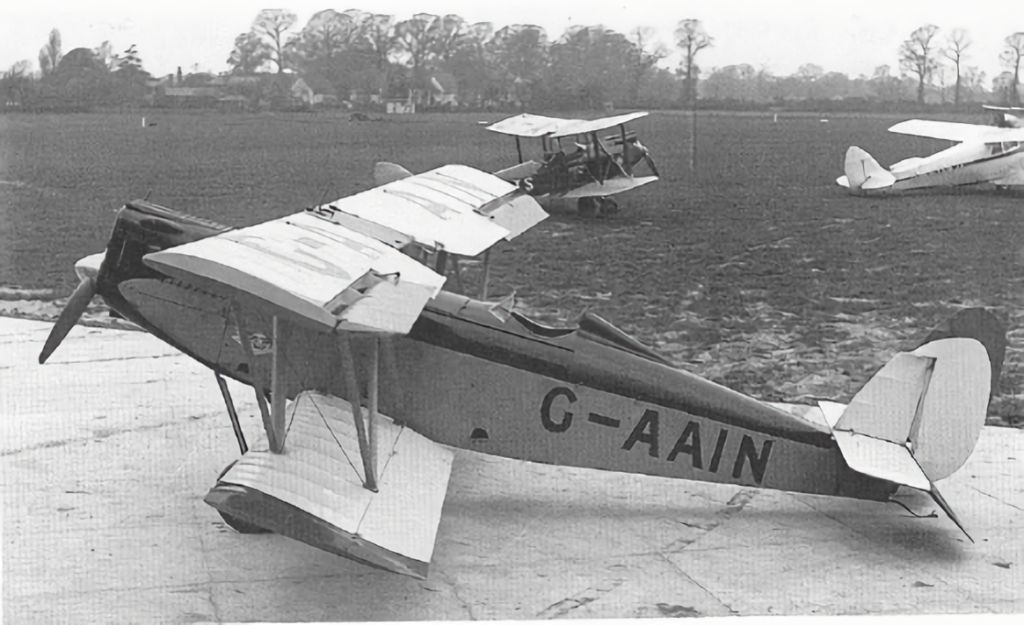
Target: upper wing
pixel 953 131
pixel 339 267
pixel 580 127
pixel 311 270
pixel 441 209
pixel 527 125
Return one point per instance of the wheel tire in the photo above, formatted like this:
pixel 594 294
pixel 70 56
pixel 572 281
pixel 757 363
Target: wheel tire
pixel 587 207
pixel 609 206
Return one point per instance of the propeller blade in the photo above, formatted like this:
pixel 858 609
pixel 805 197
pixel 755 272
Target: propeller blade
pixel 76 305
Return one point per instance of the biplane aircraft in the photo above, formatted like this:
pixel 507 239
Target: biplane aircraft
pixel 578 163
pixel 1006 116
pixel 982 154
pixel 365 372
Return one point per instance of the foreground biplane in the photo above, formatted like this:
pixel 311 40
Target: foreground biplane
pixel 983 154
pixel 364 370
pixel 578 163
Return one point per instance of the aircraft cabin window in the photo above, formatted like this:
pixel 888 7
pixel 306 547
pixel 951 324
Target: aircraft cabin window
pixel 1010 145
pixel 996 148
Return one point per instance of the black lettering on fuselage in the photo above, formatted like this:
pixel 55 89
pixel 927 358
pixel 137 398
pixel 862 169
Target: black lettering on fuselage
pixel 646 431
pixel 545 410
pixel 688 443
pixel 758 462
pixel 716 457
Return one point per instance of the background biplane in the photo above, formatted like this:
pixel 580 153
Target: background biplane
pixel 983 154
pixel 364 369
pixel 578 162
pixel 1006 116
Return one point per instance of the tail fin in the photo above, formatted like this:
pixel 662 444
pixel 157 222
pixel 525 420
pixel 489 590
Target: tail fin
pixel 863 173
pixel 918 419
pixel 384 172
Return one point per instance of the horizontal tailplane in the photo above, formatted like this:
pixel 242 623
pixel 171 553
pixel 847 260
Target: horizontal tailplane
pixel 918 419
pixel 314 493
pixel 863 173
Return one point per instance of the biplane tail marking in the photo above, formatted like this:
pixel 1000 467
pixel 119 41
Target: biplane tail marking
pixel 863 173
pixel 918 419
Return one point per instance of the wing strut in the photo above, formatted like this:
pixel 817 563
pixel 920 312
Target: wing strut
pixel 278 392
pixel 276 442
pixel 487 274
pixel 352 383
pixel 232 413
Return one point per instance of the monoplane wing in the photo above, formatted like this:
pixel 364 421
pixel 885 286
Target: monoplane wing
pixel 954 131
pixel 610 186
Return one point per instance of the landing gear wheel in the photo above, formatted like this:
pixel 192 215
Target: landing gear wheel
pixel 235 523
pixel 588 206
pixel 609 206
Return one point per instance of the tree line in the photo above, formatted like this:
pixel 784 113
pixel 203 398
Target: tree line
pixel 519 66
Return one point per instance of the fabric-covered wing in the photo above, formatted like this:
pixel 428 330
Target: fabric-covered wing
pixel 450 208
pixel 609 187
pixel 953 131
pixel 316 272
pixel 581 127
pixel 527 125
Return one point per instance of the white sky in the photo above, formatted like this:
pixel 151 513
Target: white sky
pixel 851 37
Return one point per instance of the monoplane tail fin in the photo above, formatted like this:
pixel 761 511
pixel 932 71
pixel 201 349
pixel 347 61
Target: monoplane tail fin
pixel 863 173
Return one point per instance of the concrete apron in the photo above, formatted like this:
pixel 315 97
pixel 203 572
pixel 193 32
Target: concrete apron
pixel 109 448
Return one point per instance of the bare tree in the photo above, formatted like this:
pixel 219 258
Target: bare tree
pixel 646 52
pixel 49 55
pixel 414 40
pixel 271 26
pixel 14 82
pixel 326 34
pixel 248 54
pixel 956 43
pixel 918 56
pixel 1010 58
pixel 377 36
pixel 447 35
pixel 691 38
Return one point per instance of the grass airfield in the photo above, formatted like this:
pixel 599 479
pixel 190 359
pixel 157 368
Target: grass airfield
pixel 755 270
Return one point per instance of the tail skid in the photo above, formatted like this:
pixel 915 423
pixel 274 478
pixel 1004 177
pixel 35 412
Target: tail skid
pixel 918 419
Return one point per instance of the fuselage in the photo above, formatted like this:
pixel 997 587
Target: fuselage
pixel 588 396
pixel 966 163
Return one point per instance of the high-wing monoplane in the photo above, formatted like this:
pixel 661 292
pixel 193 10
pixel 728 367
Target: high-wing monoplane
pixel 578 162
pixel 982 154
pixel 364 370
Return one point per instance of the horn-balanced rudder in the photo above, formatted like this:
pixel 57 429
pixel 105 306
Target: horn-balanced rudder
pixel 918 419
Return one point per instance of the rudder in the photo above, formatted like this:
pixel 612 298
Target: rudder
pixel 863 173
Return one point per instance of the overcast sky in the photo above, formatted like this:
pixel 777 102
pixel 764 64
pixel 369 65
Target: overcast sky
pixel 781 35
